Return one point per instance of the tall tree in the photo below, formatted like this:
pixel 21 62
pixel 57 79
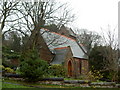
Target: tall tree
pixel 110 40
pixel 29 17
pixel 12 41
pixel 88 38
pixel 7 11
pixel 38 14
pixel 96 58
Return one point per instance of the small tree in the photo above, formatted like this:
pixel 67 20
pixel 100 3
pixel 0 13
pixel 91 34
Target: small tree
pixel 32 68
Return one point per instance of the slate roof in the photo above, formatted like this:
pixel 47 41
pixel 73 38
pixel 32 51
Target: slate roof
pixel 60 56
pixel 55 40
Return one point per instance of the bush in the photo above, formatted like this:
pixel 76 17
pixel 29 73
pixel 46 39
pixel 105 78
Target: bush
pixel 9 70
pixel 57 70
pixel 32 68
pixel 94 75
pixel 18 70
pixel 2 67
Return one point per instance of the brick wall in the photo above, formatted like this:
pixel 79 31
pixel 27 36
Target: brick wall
pixel 45 53
pixel 84 67
pixel 79 66
pixel 67 59
pixel 76 67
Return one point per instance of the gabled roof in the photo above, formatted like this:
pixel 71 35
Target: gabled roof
pixel 60 55
pixel 58 34
pixel 59 41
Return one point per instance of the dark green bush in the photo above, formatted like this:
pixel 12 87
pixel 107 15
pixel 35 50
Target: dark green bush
pixel 57 70
pixel 7 55
pixel 32 68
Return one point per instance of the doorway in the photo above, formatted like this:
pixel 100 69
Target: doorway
pixel 69 69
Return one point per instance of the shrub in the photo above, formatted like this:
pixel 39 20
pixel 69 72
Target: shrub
pixel 18 70
pixel 94 75
pixel 9 70
pixel 2 67
pixel 32 68
pixel 57 70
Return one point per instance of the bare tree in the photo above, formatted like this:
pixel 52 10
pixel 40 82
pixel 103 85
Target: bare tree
pixel 87 38
pixel 38 14
pixel 7 12
pixel 10 17
pixel 110 41
pixel 54 39
pixel 29 17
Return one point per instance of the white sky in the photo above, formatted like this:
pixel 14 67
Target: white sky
pixel 93 14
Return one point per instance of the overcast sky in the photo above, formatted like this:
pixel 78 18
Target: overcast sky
pixel 93 14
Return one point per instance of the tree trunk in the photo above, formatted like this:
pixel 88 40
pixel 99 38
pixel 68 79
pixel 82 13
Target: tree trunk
pixel 36 42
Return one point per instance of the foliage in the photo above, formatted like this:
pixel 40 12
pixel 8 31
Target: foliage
pixel 119 76
pixel 113 76
pixel 9 70
pixel 12 56
pixel 96 58
pixel 32 68
pixel 110 40
pixel 12 40
pixel 94 75
pixel 7 55
pixel 57 70
pixel 17 71
pixel 16 43
pixel 99 60
pixel 11 48
pixel 2 67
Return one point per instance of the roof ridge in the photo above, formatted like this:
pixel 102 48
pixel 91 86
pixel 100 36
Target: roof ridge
pixel 61 35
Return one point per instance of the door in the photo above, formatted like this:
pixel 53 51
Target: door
pixel 69 69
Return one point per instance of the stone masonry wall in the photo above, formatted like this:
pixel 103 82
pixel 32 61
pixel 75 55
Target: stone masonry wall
pixel 85 68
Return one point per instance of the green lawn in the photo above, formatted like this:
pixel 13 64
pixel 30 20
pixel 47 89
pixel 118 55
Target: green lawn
pixel 9 85
pixel 5 85
pixel 22 83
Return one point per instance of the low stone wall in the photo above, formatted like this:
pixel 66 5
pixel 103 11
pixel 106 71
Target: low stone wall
pixel 52 79
pixel 103 84
pixel 76 83
pixel 12 75
pixel 52 82
pixel 82 83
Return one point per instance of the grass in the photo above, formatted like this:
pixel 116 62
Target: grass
pixel 71 79
pixel 5 85
pixel 25 84
pixel 8 85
